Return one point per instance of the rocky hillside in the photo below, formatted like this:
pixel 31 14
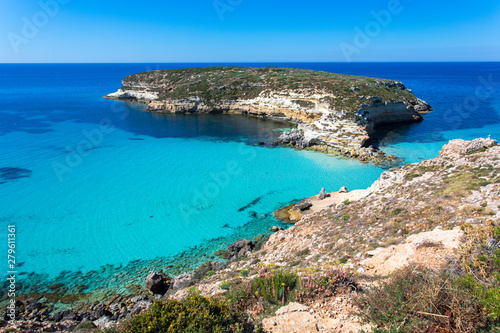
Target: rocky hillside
pixel 333 111
pixel 410 215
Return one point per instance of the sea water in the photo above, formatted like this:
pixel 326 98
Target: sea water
pixel 101 191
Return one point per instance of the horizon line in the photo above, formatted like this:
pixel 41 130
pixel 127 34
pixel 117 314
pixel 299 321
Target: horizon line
pixel 245 62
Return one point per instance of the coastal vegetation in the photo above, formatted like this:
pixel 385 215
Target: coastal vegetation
pixel 216 84
pixel 463 296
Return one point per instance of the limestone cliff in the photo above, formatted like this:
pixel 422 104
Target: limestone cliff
pixel 335 111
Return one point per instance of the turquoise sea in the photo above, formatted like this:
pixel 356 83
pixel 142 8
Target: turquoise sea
pixel 101 192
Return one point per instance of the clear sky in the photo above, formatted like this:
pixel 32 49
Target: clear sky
pixel 248 30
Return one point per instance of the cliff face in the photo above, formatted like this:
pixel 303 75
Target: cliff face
pixel 335 111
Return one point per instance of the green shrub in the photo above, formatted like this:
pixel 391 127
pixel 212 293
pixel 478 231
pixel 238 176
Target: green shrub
pixel 242 296
pixel 193 314
pixel 244 272
pixel 401 303
pixel 209 274
pixel 274 285
pixel 325 280
pixel 225 285
pixel 86 326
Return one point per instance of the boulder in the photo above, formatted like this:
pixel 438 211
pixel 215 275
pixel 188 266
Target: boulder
pixel 139 307
pixel 65 315
pixel 275 228
pixel 158 284
pixel 183 281
pixel 105 322
pixel 343 189
pixel 462 147
pixel 303 206
pixel 294 138
pixel 239 249
pixel 323 194
pixel 95 315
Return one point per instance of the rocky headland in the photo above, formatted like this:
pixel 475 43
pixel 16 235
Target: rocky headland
pixel 439 215
pixel 332 112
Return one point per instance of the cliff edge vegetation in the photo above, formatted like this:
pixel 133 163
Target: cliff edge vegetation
pixel 333 112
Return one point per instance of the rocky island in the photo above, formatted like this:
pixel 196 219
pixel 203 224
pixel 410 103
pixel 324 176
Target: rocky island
pixel 333 112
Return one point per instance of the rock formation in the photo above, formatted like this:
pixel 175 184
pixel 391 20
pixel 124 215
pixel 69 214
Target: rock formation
pixel 332 111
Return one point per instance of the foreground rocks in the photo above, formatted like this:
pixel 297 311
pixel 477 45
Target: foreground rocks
pixel 296 317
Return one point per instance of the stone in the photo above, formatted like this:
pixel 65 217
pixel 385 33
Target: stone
pixel 239 249
pixel 139 307
pixel 65 315
pixel 138 298
pixel 462 147
pixel 323 194
pixel 343 189
pixel 275 229
pixel 158 284
pixel 103 322
pixel 183 281
pixel 292 307
pixel 303 206
pixel 95 315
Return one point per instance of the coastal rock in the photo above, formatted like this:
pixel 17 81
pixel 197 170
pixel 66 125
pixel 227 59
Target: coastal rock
pixel 65 315
pixel 183 281
pixel 139 308
pixel 303 206
pixel 343 189
pixel 239 249
pixel 104 322
pixel 294 138
pixel 323 194
pixel 461 147
pixel 95 315
pixel 158 284
pixel 275 229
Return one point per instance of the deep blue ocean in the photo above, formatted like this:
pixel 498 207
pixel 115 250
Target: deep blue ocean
pixel 103 191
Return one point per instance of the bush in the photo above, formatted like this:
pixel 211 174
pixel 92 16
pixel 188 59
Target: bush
pixel 244 272
pixel 417 299
pixel 193 314
pixel 275 284
pixel 225 285
pixel 464 297
pixel 242 296
pixel 325 280
pixel 85 326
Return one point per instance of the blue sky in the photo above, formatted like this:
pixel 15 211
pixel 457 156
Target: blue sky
pixel 248 30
